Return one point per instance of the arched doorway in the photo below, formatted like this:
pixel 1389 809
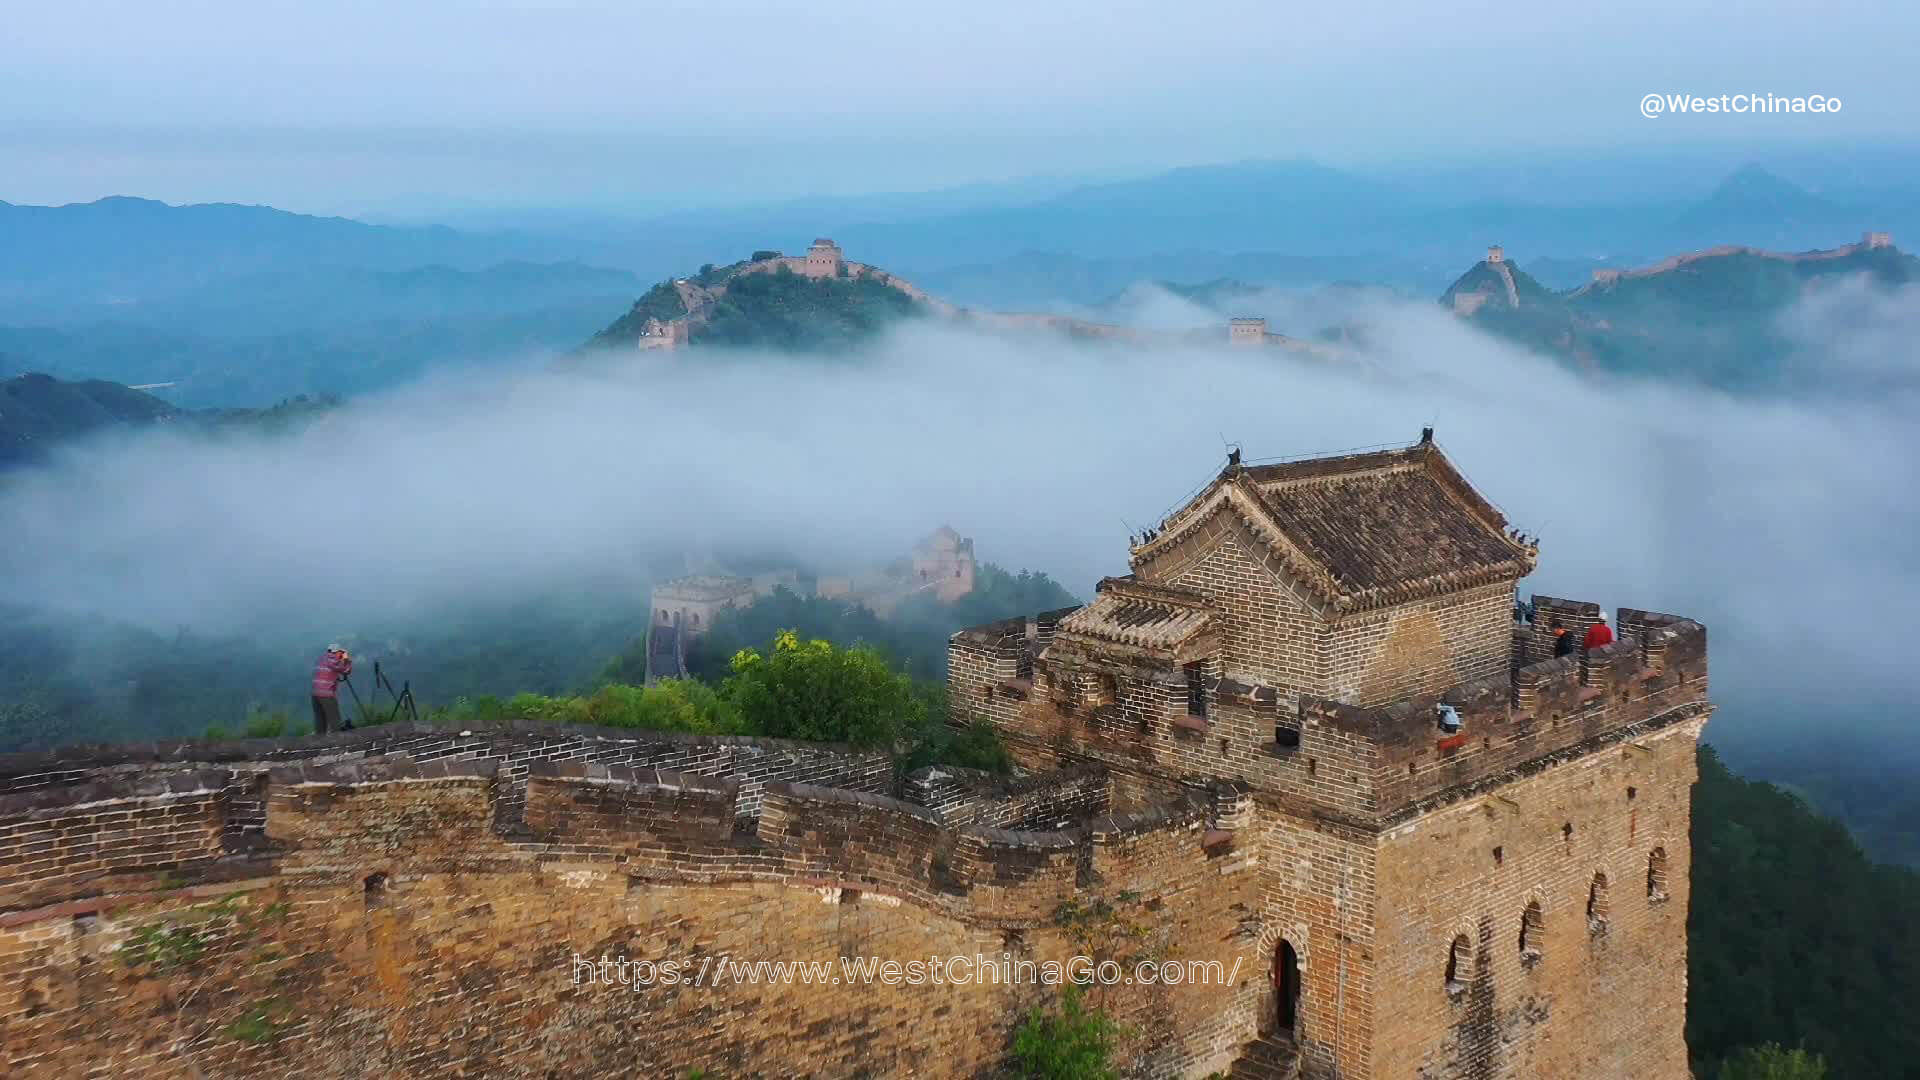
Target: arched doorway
pixel 1286 988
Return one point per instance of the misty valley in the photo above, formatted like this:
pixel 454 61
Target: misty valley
pixel 929 512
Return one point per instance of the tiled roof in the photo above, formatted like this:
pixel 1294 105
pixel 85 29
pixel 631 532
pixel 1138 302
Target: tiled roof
pixel 1138 614
pixel 1361 530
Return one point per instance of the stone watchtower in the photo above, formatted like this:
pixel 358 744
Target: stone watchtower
pixel 943 562
pixel 684 609
pixel 1496 255
pixel 823 259
pixel 1247 331
pixel 1473 855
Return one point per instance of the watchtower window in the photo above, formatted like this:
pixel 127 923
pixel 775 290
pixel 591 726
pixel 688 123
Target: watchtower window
pixel 1459 964
pixel 1100 689
pixel 1532 932
pixel 1597 904
pixel 1657 874
pixel 1196 688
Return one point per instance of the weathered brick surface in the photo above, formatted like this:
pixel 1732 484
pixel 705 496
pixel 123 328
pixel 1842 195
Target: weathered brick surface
pixel 1378 824
pixel 392 920
pixel 1476 854
pixel 1605 995
pixel 55 843
pixel 1040 800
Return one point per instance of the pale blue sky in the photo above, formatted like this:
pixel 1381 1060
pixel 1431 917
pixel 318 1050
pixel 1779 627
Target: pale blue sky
pixel 351 105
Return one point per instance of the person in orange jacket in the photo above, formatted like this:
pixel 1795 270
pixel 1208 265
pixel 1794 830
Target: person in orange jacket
pixel 1562 641
pixel 1598 635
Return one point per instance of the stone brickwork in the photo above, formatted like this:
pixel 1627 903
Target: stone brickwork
pixel 1041 800
pixel 1470 852
pixel 1602 992
pixel 53 840
pixel 378 912
pixel 1306 741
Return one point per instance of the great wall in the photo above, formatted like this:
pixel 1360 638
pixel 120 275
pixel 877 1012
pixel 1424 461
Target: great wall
pixel 401 900
pixel 1337 766
pixel 825 260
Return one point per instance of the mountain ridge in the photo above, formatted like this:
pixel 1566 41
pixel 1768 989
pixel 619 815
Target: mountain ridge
pixel 1710 313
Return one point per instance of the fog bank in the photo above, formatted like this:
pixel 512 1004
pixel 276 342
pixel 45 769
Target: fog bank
pixel 1786 526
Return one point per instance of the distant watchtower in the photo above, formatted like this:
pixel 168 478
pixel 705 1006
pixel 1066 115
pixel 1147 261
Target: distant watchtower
pixel 823 259
pixel 1247 331
pixel 1875 240
pixel 1496 255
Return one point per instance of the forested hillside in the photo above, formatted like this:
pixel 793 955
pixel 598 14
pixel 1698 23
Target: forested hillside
pixel 39 414
pixel 775 309
pixel 1722 317
pixel 1795 937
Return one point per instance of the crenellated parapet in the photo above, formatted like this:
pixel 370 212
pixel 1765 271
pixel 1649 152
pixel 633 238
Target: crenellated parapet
pixel 342 817
pixel 444 896
pixel 1353 763
pixel 383 816
pixel 1382 763
pixel 1033 801
pixel 54 841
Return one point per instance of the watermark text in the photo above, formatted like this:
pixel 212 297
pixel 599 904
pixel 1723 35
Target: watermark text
pixel 1654 106
pixel 709 972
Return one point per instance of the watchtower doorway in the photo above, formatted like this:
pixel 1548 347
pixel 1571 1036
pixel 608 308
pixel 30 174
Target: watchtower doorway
pixel 1286 988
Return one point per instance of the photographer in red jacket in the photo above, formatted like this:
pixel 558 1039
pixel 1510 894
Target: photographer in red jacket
pixel 334 664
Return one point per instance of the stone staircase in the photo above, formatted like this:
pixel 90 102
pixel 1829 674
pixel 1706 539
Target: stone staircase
pixel 1270 1057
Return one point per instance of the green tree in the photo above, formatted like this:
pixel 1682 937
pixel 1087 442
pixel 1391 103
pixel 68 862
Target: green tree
pixel 1794 934
pixel 1772 1062
pixel 815 691
pixel 1067 1041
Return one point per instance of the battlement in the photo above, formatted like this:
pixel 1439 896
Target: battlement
pixel 371 807
pixel 1036 801
pixel 1363 765
pixel 1435 748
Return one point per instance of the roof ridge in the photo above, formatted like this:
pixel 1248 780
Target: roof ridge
pixel 1356 557
pixel 1154 592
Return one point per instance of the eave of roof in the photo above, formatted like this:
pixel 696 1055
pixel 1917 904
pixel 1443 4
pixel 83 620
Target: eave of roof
pixel 1243 491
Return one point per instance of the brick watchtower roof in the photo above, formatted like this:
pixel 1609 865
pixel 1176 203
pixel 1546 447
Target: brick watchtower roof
pixel 1135 613
pixel 1359 530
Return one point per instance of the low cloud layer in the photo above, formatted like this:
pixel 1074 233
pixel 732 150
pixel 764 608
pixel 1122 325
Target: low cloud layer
pixel 1787 526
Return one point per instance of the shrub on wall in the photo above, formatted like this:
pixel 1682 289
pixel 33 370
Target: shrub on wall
pixel 1067 1041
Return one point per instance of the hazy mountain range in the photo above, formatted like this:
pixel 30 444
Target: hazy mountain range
pixel 242 305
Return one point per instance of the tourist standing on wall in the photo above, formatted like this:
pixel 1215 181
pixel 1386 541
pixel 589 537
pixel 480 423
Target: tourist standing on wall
pixel 334 664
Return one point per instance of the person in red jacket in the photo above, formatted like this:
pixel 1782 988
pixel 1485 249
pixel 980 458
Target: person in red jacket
pixel 334 664
pixel 1598 634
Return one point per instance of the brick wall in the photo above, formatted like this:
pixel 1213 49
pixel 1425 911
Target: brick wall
pixel 55 842
pixel 625 810
pixel 1042 800
pixel 1268 635
pixel 1603 998
pixel 1319 882
pixel 397 923
pixel 1338 805
pixel 516 748
pixel 1423 647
